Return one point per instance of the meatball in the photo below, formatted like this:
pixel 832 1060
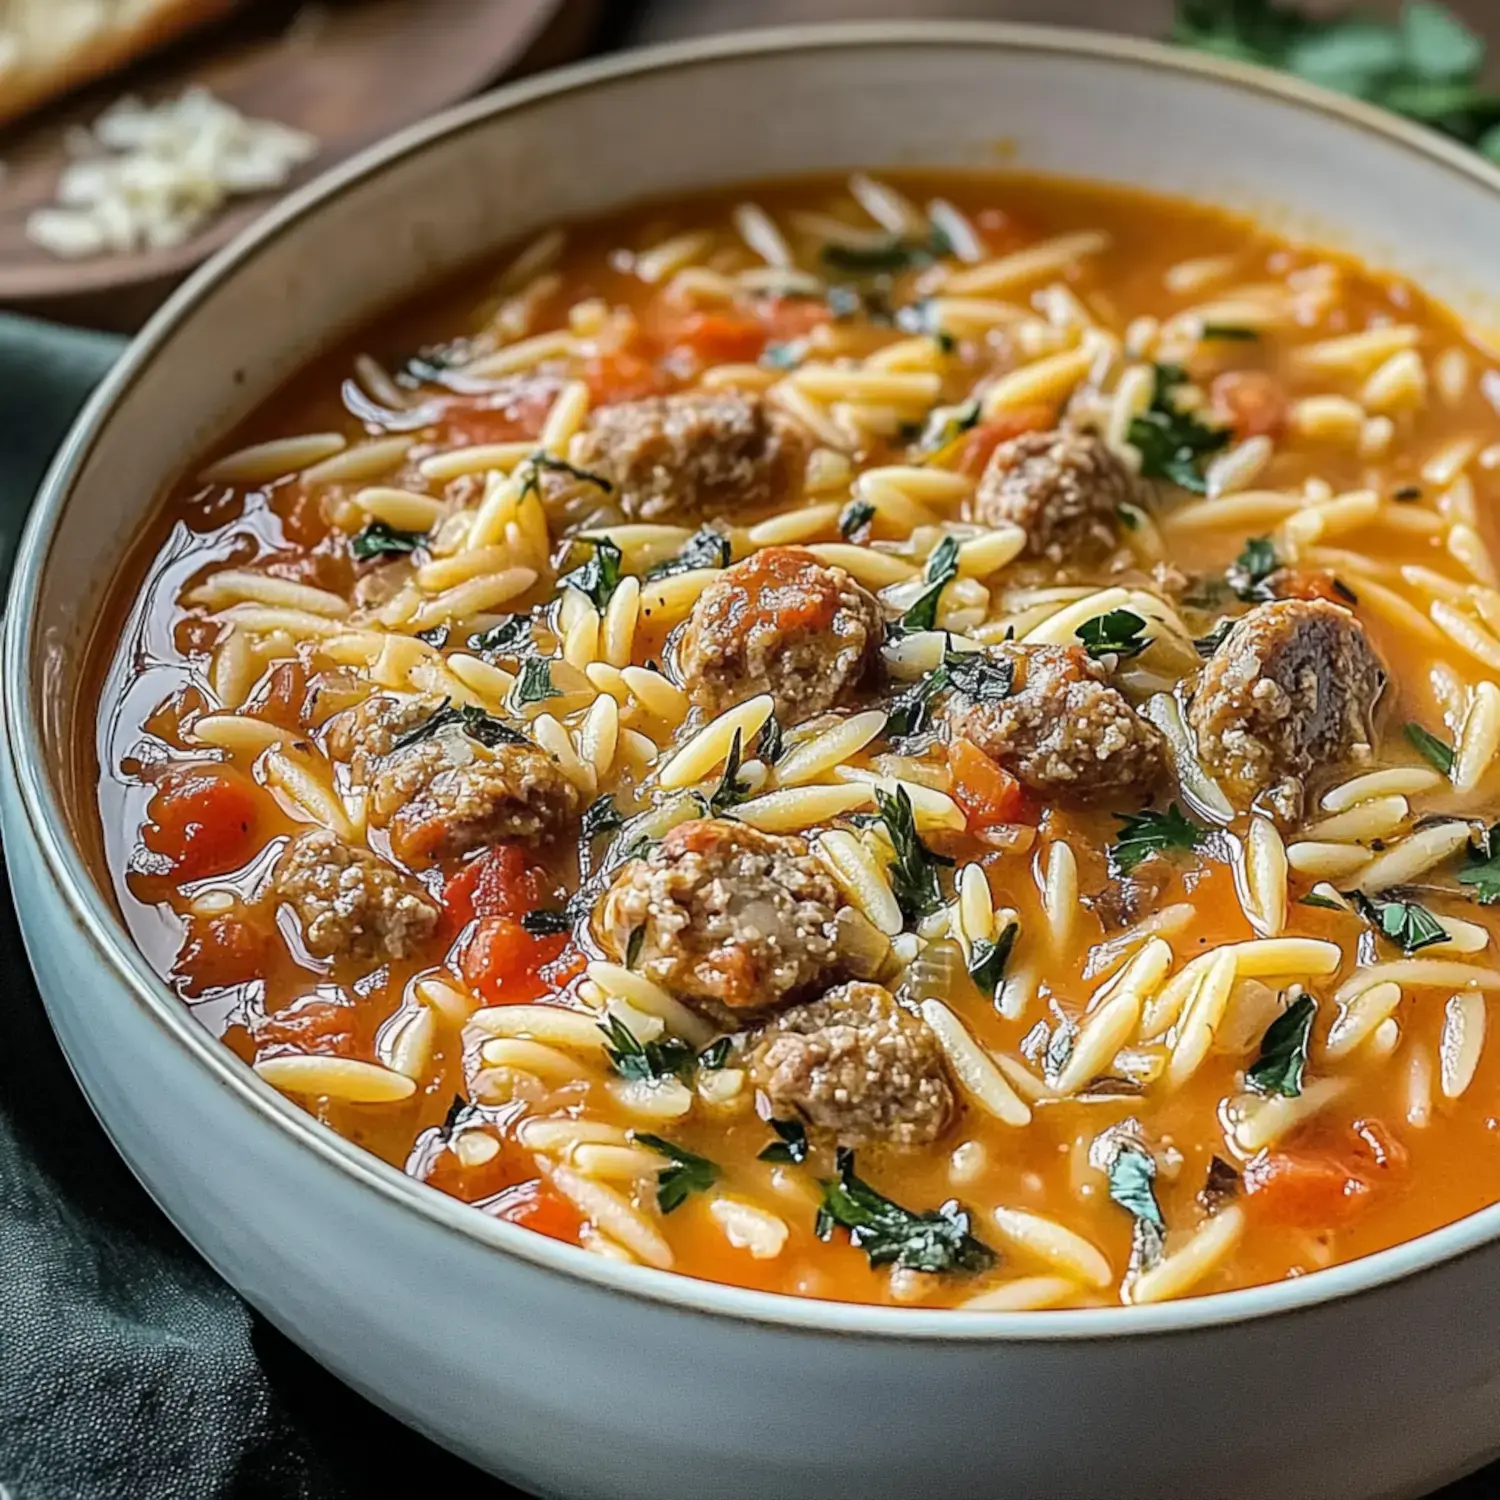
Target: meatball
pixel 701 453
pixel 856 1064
pixel 1063 487
pixel 730 919
pixel 782 623
pixel 1063 731
pixel 349 902
pixel 1292 687
pixel 448 794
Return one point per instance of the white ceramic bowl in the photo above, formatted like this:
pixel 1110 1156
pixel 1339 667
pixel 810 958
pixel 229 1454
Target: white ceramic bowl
pixel 565 1372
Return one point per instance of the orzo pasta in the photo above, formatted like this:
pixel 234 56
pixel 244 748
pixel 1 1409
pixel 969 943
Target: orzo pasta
pixel 923 740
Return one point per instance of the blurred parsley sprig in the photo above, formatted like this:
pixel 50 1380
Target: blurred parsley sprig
pixel 1425 65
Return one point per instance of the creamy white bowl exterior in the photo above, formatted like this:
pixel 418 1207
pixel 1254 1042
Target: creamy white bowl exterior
pixel 563 1372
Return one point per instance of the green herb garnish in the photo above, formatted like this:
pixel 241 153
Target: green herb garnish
pixel 1117 633
pixel 380 540
pixel 716 1054
pixel 600 576
pixel 1283 1051
pixel 729 792
pixel 646 1062
pixel 1438 753
pixel 914 875
pixel 1206 645
pixel 768 746
pixel 510 638
pixel 891 1235
pixel 1426 65
pixel 854 517
pixel 909 710
pixel 1326 903
pixel 888 257
pixel 1482 870
pixel 1132 1179
pixel 535 684
pixel 688 1174
pixel 1146 833
pixel 601 816
pixel 635 942
pixel 987 960
pixel 792 1147
pixel 1173 444
pixel 706 548
pixel 941 570
pixel 547 923
pixel 1248 573
pixel 473 721
pixel 537 462
pixel 946 425
pixel 980 677
pixel 1409 926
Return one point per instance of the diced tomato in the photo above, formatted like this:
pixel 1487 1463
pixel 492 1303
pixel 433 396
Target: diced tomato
pixel 786 318
pixel 783 589
pixel 205 819
pixel 303 523
pixel 503 963
pixel 219 952
pixel 720 338
pixel 623 376
pixel 280 699
pixel 1252 402
pixel 1304 1189
pixel 309 1025
pixel 501 882
pixel 539 1207
pixel 982 441
pixel 987 792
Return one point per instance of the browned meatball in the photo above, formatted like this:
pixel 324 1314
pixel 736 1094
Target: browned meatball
pixel 1292 687
pixel 448 793
pixel 1064 487
pixel 856 1064
pixel 1064 730
pixel 782 623
pixel 731 920
pixel 349 902
pixel 700 453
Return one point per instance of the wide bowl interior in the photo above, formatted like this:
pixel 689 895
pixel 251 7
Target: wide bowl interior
pixel 600 136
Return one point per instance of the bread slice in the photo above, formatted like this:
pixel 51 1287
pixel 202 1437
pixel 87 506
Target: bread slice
pixel 50 46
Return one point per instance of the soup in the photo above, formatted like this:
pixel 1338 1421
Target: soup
pixel 927 741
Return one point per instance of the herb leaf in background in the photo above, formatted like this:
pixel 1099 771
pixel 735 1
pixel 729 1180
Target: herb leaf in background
pixel 688 1174
pixel 1409 926
pixel 1174 444
pixel 1147 833
pixel 941 570
pixel 1437 753
pixel 1115 633
pixel 380 540
pixel 535 684
pixel 888 257
pixel 914 875
pixel 854 517
pixel 646 1062
pixel 1247 574
pixel 980 677
pixel 1283 1051
pixel 938 1240
pixel 1426 64
pixel 706 548
pixel 1482 870
pixel 600 576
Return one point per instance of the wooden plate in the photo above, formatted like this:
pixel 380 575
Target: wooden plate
pixel 349 71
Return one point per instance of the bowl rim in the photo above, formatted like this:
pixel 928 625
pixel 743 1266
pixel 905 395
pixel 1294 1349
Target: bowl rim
pixel 97 921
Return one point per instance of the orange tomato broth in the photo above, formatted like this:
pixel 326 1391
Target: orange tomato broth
pixel 1365 1174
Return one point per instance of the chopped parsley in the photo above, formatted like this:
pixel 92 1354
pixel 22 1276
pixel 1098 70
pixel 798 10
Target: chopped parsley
pixel 854 517
pixel 706 548
pixel 546 922
pixel 768 746
pixel 532 484
pixel 987 960
pixel 1248 573
pixel 1206 645
pixel 436 636
pixel 791 1147
pixel 1132 1184
pixel 510 638
pixel 380 540
pixel 600 576
pixel 473 721
pixel 1116 633
pixel 914 875
pixel 688 1174
pixel 601 816
pixel 941 570
pixel 1174 444
pixel 1326 903
pixel 1409 926
pixel 730 792
pixel 946 425
pixel 909 710
pixel 888 257
pixel 646 1062
pixel 891 1235
pixel 1283 1051
pixel 1147 833
pixel 1482 870
pixel 1437 753
pixel 634 943
pixel 979 676
pixel 535 684
pixel 1426 64
pixel 716 1054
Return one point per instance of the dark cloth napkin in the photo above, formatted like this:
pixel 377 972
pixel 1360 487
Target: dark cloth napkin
pixel 128 1370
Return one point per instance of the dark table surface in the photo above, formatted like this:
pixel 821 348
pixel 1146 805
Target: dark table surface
pixel 338 1444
